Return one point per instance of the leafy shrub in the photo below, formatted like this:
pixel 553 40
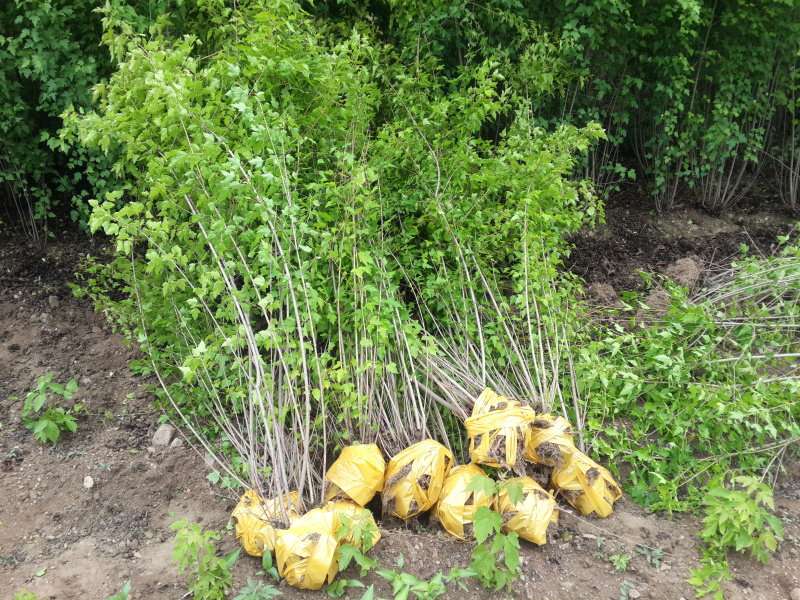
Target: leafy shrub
pixel 691 396
pixel 49 60
pixel 298 197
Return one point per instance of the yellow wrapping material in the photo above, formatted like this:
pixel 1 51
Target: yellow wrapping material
pixel 498 430
pixel 550 442
pixel 306 552
pixel 530 517
pixel 352 510
pixel 256 519
pixel 357 474
pixel 456 506
pixel 414 478
pixel 586 485
pixel 489 400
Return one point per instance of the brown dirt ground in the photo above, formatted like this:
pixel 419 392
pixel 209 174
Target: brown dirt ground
pixel 62 541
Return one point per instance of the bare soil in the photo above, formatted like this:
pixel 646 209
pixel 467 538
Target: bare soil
pixel 61 540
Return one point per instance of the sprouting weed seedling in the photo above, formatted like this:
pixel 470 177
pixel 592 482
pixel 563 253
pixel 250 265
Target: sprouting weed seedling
pixel 404 584
pixel 210 576
pixel 620 561
pixel 652 556
pixel 123 594
pixel 258 590
pixel 625 589
pixel 48 425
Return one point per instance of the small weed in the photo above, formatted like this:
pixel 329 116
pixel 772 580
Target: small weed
pixel 405 584
pixel 625 590
pixel 620 561
pixel 24 594
pixel 652 556
pixel 257 590
pixel 210 576
pixel 48 425
pixel 123 594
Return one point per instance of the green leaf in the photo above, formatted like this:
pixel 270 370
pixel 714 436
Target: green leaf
pixel 486 522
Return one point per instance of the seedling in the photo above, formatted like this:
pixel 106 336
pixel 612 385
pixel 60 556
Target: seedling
pixel 48 425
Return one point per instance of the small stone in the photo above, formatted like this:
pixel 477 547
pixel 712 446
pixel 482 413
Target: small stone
pixel 795 594
pixel 163 435
pixel 96 329
pixel 88 482
pixel 634 594
pixel 137 554
pixel 53 301
pixel 151 450
pixel 46 318
pixel 86 381
pixel 589 536
pixel 33 318
pixel 176 443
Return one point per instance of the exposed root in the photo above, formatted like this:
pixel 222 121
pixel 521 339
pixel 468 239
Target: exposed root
pixel 401 474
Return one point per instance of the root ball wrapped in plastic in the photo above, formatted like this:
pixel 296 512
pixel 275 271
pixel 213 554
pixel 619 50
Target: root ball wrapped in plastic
pixel 414 479
pixel 531 516
pixel 256 520
pixel 586 485
pixel 306 552
pixel 356 475
pixel 456 506
pixel 499 431
pixel 550 442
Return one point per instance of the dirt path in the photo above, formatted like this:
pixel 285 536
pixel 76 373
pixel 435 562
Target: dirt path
pixel 63 538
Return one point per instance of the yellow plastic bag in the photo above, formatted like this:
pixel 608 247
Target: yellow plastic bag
pixel 306 552
pixel 586 485
pixel 530 517
pixel 490 400
pixel 255 521
pixel 356 475
pixel 498 431
pixel 456 506
pixel 414 479
pixel 550 442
